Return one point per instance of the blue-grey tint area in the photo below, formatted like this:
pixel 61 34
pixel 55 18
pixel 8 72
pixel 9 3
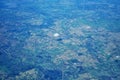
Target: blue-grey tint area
pixel 59 39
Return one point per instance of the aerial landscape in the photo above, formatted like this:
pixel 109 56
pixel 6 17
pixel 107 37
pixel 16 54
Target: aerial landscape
pixel 59 40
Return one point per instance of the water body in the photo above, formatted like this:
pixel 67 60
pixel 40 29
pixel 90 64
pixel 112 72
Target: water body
pixel 59 40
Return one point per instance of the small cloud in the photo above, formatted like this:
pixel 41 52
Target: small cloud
pixel 56 34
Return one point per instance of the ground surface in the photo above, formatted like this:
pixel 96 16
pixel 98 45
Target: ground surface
pixel 59 40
